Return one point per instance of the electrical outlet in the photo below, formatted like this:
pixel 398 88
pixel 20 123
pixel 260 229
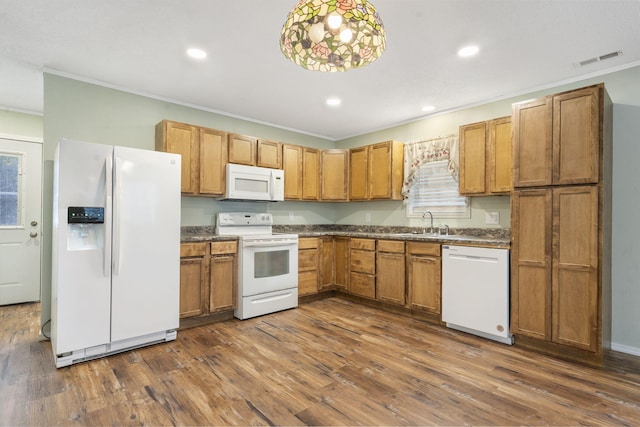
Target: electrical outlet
pixel 492 218
pixel 291 216
pixel 367 217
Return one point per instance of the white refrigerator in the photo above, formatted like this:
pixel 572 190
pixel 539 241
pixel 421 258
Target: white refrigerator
pixel 116 250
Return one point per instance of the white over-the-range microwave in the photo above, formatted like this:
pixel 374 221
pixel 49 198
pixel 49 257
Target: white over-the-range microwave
pixel 254 183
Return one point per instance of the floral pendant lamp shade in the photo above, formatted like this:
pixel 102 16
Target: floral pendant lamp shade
pixel 333 35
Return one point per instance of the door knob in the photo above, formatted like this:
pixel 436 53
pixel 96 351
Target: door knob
pixel 33 234
pixel 34 223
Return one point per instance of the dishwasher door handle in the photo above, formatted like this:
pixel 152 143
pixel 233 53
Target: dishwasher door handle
pixel 473 258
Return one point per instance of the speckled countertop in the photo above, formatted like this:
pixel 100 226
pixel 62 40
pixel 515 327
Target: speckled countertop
pixel 493 237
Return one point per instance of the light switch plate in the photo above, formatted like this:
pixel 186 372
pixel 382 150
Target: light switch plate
pixel 367 217
pixel 492 218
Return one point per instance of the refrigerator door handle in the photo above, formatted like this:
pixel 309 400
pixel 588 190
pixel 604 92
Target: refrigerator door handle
pixel 117 200
pixel 108 208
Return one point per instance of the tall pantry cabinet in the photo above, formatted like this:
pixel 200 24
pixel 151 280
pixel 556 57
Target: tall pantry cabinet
pixel 561 224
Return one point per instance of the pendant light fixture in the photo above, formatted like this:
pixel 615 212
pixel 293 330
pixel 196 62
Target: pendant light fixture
pixel 333 35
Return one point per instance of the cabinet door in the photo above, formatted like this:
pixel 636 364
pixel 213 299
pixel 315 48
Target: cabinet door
pixel 269 154
pixel 423 282
pixel 192 292
pixel 341 263
pixel 390 278
pixel 358 173
pixel 242 149
pixel 380 170
pixel 532 155
pixel 223 282
pixel 335 173
pixel 181 138
pixel 327 267
pixel 575 264
pixel 472 159
pixel 213 160
pixel 311 173
pixel 576 136
pixel 363 285
pixel 499 153
pixel 292 165
pixel 531 225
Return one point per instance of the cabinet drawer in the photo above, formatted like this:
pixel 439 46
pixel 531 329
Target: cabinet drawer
pixel 391 246
pixel 308 260
pixel 364 244
pixel 192 249
pixel 218 248
pixel 308 243
pixel 432 249
pixel 363 285
pixel 363 261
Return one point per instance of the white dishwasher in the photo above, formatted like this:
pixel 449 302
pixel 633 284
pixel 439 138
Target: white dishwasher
pixel 475 291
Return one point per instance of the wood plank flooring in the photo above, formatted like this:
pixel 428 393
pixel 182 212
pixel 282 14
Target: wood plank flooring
pixel 328 362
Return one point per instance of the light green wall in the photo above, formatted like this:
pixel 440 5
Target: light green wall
pixel 625 231
pixel 17 124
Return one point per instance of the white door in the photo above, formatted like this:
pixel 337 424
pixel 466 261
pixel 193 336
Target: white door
pixel 20 220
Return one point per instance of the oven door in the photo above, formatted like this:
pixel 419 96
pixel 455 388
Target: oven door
pixel 267 264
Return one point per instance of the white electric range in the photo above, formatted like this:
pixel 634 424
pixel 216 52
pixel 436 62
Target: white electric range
pixel 267 263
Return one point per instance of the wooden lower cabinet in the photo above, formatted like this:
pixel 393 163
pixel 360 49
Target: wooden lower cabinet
pixel 362 268
pixel 223 277
pixel 326 272
pixel 308 264
pixel 424 276
pixel 193 279
pixel 390 278
pixel 556 285
pixel 341 263
pixel 208 277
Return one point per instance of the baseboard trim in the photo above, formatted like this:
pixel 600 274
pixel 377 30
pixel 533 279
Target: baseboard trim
pixel 635 351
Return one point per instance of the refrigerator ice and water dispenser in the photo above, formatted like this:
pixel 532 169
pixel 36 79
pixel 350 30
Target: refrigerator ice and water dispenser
pixel 86 228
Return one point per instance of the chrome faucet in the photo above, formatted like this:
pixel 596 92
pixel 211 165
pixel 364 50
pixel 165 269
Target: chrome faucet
pixel 424 229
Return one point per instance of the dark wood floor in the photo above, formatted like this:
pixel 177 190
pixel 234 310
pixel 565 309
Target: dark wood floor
pixel 329 362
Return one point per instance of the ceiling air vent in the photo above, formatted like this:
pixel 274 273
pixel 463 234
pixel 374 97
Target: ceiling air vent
pixel 600 58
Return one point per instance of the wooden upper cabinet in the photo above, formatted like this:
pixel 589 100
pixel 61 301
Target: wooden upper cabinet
pixel 499 155
pixel 213 160
pixel 292 166
pixel 269 154
pixel 358 173
pixel 242 149
pixel 334 174
pixel 485 158
pixel 181 138
pixel 385 170
pixel 310 173
pixel 204 156
pixel 532 144
pixel 576 136
pixel 473 148
pixel 556 139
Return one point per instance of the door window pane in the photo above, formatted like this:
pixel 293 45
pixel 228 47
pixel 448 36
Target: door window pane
pixel 9 189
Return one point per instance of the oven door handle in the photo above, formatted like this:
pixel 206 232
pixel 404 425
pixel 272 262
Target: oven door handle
pixel 269 243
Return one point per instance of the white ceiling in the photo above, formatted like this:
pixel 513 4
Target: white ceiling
pixel 140 46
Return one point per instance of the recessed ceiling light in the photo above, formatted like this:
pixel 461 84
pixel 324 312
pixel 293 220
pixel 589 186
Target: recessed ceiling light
pixel 468 51
pixel 428 108
pixel 333 102
pixel 196 53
